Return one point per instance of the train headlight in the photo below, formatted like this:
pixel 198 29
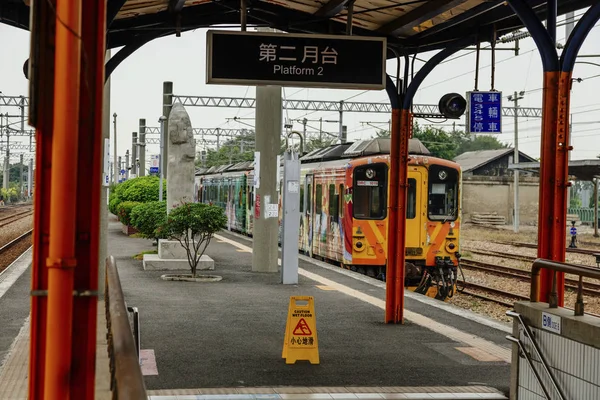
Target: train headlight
pixel 359 246
pixel 370 173
pixel 442 175
pixel 451 247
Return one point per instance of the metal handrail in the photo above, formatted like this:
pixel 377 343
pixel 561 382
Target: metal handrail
pixel 127 381
pixel 529 336
pixel 556 266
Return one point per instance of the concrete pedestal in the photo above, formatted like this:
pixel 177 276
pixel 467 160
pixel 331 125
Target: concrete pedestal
pixel 172 256
pixel 152 262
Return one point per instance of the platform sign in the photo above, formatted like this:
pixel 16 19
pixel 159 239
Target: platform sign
pixel 154 163
pixel 300 342
pixel 485 112
pixel 300 60
pixel 551 322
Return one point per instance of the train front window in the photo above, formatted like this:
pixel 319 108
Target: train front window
pixel 443 193
pixel 370 189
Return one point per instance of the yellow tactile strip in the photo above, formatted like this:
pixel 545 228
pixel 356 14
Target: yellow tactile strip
pixel 13 374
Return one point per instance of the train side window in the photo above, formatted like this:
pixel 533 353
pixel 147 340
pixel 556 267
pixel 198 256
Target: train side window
pixel 411 202
pixel 369 195
pixel 319 199
pixel 334 202
pixel 341 200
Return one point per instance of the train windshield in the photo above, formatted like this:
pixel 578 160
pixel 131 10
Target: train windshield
pixel 370 189
pixel 443 193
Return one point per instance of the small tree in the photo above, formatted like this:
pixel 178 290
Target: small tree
pixel 193 226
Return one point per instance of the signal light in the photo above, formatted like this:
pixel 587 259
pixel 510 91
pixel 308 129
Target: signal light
pixel 452 105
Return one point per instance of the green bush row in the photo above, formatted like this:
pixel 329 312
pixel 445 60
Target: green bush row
pixel 142 189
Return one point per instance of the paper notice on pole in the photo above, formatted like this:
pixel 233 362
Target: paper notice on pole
pixel 293 186
pixel 278 169
pixel 256 169
pixel 271 211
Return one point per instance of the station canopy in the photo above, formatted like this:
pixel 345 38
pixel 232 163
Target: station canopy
pixel 410 26
pixel 581 170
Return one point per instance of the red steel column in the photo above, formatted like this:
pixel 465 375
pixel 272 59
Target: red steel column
pixel 42 116
pixel 61 258
pixel 394 305
pixel 390 276
pixel 553 179
pixel 89 178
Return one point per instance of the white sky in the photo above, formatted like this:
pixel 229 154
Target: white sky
pixel 136 89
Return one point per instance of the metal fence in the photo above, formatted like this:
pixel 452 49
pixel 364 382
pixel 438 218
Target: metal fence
pixel 127 381
pixel 585 214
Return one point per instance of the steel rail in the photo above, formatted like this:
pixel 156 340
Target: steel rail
pixel 127 381
pixel 15 241
pixel 535 246
pixel 14 217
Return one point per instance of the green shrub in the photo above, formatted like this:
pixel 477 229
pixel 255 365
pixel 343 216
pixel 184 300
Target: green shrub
pixel 147 217
pixel 140 189
pixel 124 211
pixel 193 225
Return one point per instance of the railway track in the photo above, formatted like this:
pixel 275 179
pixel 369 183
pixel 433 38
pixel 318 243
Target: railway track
pixel 6 258
pixel 589 288
pixel 15 217
pixel 534 246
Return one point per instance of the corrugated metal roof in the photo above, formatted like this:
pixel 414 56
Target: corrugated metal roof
pixel 471 160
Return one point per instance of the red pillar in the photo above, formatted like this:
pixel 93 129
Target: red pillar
pixel 394 304
pixel 68 124
pixel 41 115
pixel 89 178
pixel 554 178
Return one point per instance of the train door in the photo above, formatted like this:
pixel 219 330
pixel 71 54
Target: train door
pixel 333 228
pixel 308 214
pixel 414 212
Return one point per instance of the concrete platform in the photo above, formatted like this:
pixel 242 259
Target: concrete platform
pixel 153 262
pixel 225 338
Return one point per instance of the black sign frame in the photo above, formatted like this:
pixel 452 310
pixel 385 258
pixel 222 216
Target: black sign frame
pixel 361 59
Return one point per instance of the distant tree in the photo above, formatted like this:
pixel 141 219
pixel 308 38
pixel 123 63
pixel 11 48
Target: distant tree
pixel 440 143
pixel 237 149
pixel 479 143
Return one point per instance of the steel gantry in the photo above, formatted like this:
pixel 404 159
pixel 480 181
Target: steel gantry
pixel 417 110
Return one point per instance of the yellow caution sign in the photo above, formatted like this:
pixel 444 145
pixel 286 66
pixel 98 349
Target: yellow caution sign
pixel 300 342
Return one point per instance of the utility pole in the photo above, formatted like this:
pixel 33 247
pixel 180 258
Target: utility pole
pixel 21 177
pixel 320 131
pixel 161 121
pixel 118 169
pixel 569 25
pixel 117 166
pixel 167 106
pixel 515 98
pixel 341 125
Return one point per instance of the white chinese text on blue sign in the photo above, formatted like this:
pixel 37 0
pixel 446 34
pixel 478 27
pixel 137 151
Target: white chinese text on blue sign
pixel 485 112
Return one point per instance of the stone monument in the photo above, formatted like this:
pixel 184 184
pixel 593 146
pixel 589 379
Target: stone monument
pixel 182 153
pixel 180 188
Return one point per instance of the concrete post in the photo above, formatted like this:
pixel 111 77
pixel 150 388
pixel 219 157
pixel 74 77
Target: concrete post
pixel 268 137
pixel 127 165
pixel 134 155
pixel 7 159
pixel 30 179
pixel 117 165
pixel 103 247
pixel 21 176
pixel 162 140
pixel 596 207
pixel 142 148
pixel 290 219
pixel 167 106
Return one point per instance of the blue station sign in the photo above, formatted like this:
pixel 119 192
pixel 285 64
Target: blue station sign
pixel 485 112
pixel 284 59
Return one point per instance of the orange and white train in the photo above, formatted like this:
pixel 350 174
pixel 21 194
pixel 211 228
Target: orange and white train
pixel 344 210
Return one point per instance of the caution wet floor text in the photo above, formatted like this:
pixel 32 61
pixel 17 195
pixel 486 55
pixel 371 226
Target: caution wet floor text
pixel 300 342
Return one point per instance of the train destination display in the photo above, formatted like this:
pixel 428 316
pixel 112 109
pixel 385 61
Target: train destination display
pixel 327 61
